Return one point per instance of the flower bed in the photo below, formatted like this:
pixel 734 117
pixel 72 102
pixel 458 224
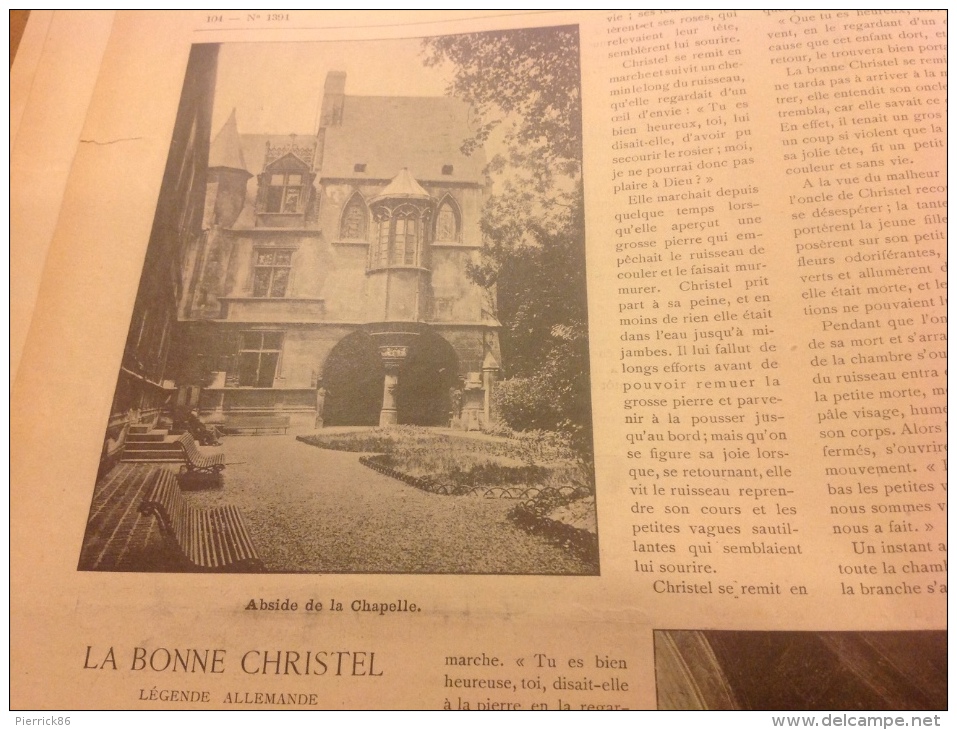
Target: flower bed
pixel 458 463
pixel 566 520
pixel 555 501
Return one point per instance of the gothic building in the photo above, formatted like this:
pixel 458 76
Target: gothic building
pixel 328 281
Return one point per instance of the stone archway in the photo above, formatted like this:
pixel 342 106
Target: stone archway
pixel 425 379
pixel 352 376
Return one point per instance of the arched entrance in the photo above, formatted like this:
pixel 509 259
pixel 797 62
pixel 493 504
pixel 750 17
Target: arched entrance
pixel 352 377
pixel 354 373
pixel 425 379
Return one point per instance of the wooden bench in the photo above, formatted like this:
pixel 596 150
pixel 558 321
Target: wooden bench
pixel 214 539
pixel 196 461
pixel 256 424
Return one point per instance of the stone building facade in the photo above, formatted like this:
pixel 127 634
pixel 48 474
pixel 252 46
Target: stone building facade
pixel 145 383
pixel 328 281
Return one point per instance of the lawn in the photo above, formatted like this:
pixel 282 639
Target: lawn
pixel 533 459
pixel 554 489
pixel 314 510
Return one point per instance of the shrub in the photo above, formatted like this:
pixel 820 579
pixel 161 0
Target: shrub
pixel 527 403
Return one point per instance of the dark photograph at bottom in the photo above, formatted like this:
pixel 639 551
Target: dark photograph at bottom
pixel 801 670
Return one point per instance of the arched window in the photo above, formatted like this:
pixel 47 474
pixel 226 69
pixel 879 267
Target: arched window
pixel 407 235
pixel 380 256
pixel 401 236
pixel 448 221
pixel 354 224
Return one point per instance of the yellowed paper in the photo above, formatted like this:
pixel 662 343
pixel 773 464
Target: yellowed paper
pixel 59 58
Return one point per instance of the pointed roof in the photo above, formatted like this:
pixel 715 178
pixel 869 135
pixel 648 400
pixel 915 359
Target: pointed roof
pixel 490 363
pixel 405 186
pixel 227 150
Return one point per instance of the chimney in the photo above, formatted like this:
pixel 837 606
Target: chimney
pixel 332 98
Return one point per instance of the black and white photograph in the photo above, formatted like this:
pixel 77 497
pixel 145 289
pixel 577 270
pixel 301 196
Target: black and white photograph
pixel 360 338
pixel 801 670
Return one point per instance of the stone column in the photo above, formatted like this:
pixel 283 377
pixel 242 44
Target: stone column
pixel 474 402
pixel 394 340
pixel 389 416
pixel 392 357
pixel 489 376
pixel 321 394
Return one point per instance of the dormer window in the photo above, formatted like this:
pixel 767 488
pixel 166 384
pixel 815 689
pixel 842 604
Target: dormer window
pixel 359 167
pixel 284 194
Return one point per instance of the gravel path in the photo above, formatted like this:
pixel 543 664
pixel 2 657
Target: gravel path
pixel 320 511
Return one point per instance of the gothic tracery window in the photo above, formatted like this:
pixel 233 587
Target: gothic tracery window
pixel 447 226
pixel 354 222
pixel 406 238
pixel 401 237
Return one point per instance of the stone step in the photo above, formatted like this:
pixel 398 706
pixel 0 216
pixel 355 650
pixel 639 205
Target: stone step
pixel 168 445
pixel 137 455
pixel 151 437
pixel 161 447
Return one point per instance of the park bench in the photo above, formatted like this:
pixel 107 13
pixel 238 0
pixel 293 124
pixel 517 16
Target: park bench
pixel 255 424
pixel 196 462
pixel 213 539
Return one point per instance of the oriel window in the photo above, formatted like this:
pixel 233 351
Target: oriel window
pixel 400 238
pixel 382 259
pixel 406 240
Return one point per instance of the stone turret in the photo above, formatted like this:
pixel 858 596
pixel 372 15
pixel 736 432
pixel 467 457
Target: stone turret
pixel 398 266
pixel 227 176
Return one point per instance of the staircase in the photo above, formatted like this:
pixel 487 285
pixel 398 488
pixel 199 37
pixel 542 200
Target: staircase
pixel 145 443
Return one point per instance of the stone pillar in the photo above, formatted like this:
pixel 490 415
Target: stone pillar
pixel 488 380
pixel 389 416
pixel 219 412
pixel 321 394
pixel 474 402
pixel 392 357
pixel 489 376
pixel 394 340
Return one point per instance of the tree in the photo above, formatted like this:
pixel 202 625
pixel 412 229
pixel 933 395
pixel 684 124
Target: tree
pixel 525 86
pixel 532 74
pixel 525 89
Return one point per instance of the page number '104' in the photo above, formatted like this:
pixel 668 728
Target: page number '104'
pixel 252 18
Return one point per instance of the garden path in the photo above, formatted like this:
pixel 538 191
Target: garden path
pixel 316 510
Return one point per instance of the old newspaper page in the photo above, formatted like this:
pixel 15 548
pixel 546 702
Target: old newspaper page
pixel 487 361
